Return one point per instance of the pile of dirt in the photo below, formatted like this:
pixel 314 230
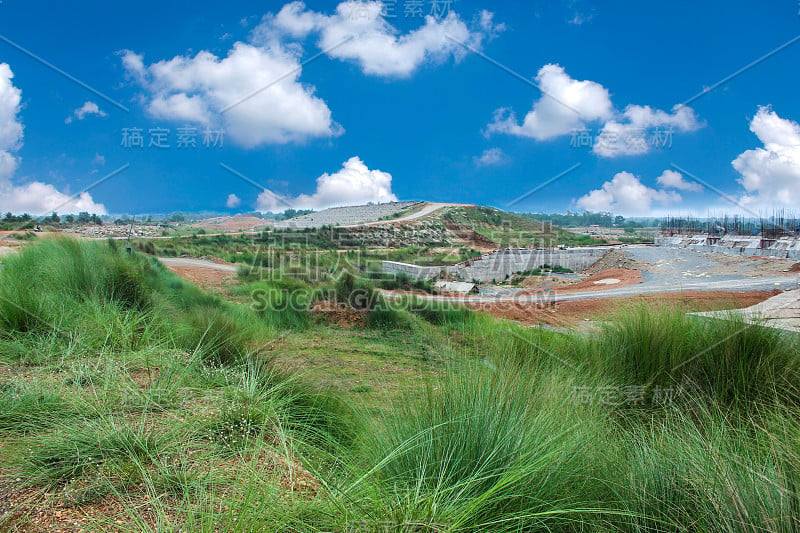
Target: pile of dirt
pixel 749 265
pixel 794 268
pixel 609 278
pixel 338 314
pixel 616 258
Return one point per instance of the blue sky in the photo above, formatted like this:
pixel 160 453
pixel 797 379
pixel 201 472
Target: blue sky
pixel 348 105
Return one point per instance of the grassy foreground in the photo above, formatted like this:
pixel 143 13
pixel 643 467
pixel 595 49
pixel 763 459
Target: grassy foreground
pixel 133 401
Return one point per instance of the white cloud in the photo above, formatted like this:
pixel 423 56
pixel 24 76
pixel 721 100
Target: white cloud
pixel 260 87
pixel 233 201
pixel 567 105
pixel 255 93
pixel 35 198
pixel 39 199
pixel 630 133
pixel 88 108
pixel 491 157
pixel 354 184
pixel 625 194
pixel 771 174
pixel 10 126
pixel 670 179
pixel 8 165
pixel 358 32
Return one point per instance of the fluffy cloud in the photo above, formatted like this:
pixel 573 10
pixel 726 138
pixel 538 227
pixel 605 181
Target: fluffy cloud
pixel 254 94
pixel 88 108
pixel 10 127
pixel 35 198
pixel 629 133
pixel 358 32
pixel 491 157
pixel 625 194
pixel 567 105
pixel 40 199
pixel 354 184
pixel 233 201
pixel 674 180
pixel 771 174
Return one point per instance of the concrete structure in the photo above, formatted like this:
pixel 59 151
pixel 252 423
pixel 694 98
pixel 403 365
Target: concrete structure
pixel 500 264
pixel 782 248
pixel 781 311
pixel 461 287
pixel 344 216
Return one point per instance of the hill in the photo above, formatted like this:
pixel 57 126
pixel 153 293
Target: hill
pixel 432 224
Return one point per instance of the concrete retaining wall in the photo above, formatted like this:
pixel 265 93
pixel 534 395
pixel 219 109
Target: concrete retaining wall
pixel 498 265
pixel 783 248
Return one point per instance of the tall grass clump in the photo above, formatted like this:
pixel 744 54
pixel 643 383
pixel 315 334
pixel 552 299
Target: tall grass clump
pixel 280 304
pixel 488 448
pixel 266 401
pixel 98 446
pixel 221 335
pixel 441 313
pixel 92 294
pixel 26 408
pixel 727 360
pixel 51 281
pixel 697 470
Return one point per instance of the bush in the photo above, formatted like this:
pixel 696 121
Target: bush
pixel 355 292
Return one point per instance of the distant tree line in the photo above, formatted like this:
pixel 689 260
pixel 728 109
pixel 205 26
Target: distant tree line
pixel 11 221
pixel 289 213
pixel 603 219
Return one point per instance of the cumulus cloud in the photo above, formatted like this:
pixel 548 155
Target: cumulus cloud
pixel 631 132
pixel 491 157
pixel 625 194
pixel 10 126
pixel 770 174
pixel 35 198
pixel 254 94
pixel 354 184
pixel 88 108
pixel 233 201
pixel 568 105
pixel 357 31
pixel 40 199
pixel 670 179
